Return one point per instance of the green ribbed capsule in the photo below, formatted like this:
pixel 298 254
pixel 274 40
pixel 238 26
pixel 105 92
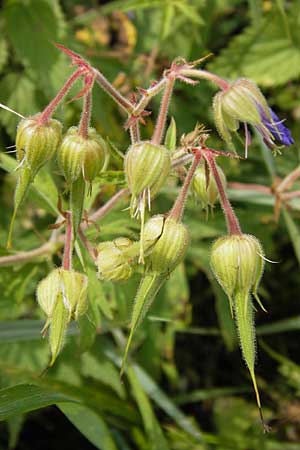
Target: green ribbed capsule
pixel 206 189
pixel 78 155
pixel 115 260
pixel 62 295
pixel 146 167
pixel 237 262
pixel 37 143
pixel 170 246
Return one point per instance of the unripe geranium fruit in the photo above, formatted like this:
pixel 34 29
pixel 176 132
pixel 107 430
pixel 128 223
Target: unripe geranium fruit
pixel 170 246
pixel 114 260
pixel 78 155
pixel 37 143
pixel 206 189
pixel 62 295
pixel 237 263
pixel 67 286
pixel 146 167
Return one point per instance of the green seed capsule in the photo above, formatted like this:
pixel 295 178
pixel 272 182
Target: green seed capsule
pixel 237 263
pixel 67 286
pixel 36 144
pixel 115 259
pixel 146 167
pixel 78 155
pixel 206 190
pixel 170 246
pixel 62 295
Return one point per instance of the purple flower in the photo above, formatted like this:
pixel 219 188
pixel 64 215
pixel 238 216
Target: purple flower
pixel 242 102
pixel 279 132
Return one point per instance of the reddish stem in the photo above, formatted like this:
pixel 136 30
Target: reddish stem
pixel 178 207
pixel 84 123
pixel 49 110
pixel 163 112
pixel 135 133
pixel 232 222
pixel 68 250
pixel 125 104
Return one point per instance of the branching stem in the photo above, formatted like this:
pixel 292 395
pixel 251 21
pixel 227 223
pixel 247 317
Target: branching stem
pixel 163 112
pixel 84 123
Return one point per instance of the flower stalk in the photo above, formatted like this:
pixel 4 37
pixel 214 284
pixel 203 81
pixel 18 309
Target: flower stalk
pixel 232 222
pixel 49 110
pixel 68 249
pixel 163 112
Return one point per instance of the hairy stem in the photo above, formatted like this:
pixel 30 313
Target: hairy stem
pixel 49 110
pixel 232 222
pixel 101 212
pixel 163 112
pixel 178 207
pixel 204 74
pixel 135 133
pixel 85 115
pixel 125 104
pixel 68 250
pixel 148 95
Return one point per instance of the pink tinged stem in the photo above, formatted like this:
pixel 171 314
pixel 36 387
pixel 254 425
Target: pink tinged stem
pixel 68 250
pixel 178 207
pixel 148 95
pixel 135 133
pixel 204 74
pixel 85 115
pixel 232 222
pixel 49 110
pixel 163 112
pixel 125 104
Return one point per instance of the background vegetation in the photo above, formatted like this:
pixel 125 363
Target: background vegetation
pixel 187 387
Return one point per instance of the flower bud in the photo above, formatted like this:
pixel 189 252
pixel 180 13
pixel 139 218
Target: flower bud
pixel 66 286
pixel 237 263
pixel 37 143
pixel 206 190
pixel 170 246
pixel 115 259
pixel 146 167
pixel 79 155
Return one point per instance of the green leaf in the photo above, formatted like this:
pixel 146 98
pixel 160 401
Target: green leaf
pixel 170 139
pixel 293 231
pixel 155 435
pixel 24 17
pixel 27 397
pixel 265 54
pixel 18 93
pixel 90 424
pixel 43 188
pixel 3 53
pixel 77 196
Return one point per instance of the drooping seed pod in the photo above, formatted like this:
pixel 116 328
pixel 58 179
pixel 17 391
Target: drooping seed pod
pixel 78 155
pixel 205 188
pixel 37 143
pixel 115 260
pixel 171 243
pixel 237 263
pixel 146 167
pixel 62 295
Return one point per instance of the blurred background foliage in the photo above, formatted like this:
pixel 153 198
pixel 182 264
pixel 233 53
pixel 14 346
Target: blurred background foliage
pixel 187 387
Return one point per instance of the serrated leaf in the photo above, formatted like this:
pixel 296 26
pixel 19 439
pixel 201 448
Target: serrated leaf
pixel 90 424
pixel 264 54
pixel 27 397
pixel 21 19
